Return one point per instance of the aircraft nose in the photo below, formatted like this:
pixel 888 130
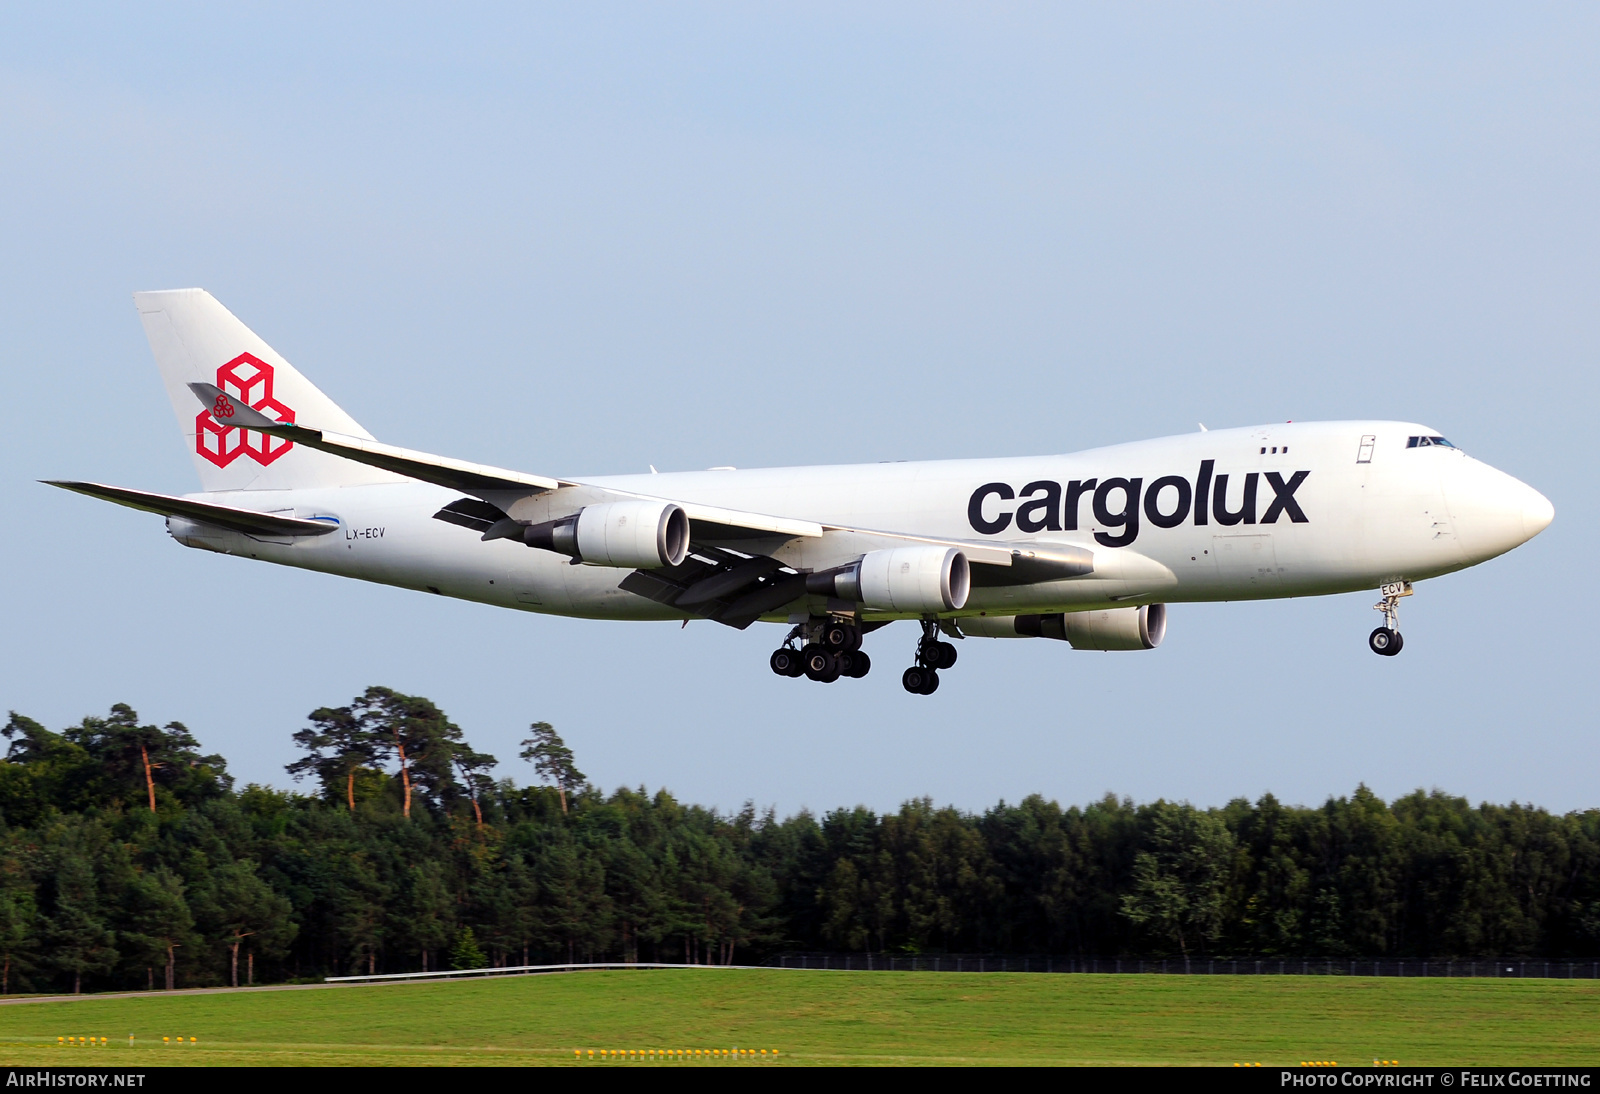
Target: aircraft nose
pixel 1537 512
pixel 1493 511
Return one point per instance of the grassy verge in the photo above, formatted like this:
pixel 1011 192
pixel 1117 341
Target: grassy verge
pixel 836 1018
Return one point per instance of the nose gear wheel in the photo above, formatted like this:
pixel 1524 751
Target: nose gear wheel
pixel 1385 642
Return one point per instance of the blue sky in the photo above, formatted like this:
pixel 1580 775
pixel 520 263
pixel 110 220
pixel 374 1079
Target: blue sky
pixel 587 239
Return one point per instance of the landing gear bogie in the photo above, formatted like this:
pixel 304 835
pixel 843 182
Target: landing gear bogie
pixel 922 678
pixel 823 650
pixel 826 650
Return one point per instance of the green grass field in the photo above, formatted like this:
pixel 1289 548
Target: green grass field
pixel 835 1018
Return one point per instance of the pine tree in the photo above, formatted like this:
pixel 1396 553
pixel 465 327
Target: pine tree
pixel 337 745
pixel 552 759
pixel 418 736
pixel 466 954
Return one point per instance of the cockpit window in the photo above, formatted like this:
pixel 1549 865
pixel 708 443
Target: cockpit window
pixel 1428 442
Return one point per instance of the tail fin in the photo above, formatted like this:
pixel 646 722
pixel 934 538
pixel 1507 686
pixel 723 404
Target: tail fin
pixel 196 339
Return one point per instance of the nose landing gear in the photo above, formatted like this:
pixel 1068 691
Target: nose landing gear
pixel 1386 640
pixel 932 655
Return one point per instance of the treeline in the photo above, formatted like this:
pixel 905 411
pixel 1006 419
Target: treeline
pixel 128 859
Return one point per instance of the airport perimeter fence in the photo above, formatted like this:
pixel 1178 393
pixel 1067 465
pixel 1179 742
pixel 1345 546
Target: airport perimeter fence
pixel 1506 968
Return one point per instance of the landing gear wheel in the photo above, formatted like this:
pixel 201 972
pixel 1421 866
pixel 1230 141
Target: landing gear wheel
pixel 946 654
pixel 930 683
pixel 920 681
pixel 1385 642
pixel 846 662
pixel 841 636
pixel 786 662
pixel 860 665
pixel 819 664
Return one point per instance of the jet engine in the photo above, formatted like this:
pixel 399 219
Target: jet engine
pixel 901 579
pixel 638 534
pixel 1111 629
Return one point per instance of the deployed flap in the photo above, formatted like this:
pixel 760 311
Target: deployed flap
pixel 732 589
pixel 247 521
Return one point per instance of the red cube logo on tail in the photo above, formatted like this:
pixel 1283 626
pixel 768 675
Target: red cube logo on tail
pixel 248 379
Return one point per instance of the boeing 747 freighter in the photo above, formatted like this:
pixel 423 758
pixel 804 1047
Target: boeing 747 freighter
pixel 1087 548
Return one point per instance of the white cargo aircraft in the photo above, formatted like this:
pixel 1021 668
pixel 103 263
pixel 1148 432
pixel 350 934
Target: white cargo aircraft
pixel 1088 548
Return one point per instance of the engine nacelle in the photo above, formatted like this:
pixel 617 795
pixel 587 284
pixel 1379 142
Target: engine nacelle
pixel 901 579
pixel 1111 629
pixel 638 534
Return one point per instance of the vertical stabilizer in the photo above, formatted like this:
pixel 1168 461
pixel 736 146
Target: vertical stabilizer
pixel 196 339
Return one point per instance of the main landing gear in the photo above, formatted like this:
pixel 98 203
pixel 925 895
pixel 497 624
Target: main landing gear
pixel 1386 640
pixel 832 649
pixel 932 655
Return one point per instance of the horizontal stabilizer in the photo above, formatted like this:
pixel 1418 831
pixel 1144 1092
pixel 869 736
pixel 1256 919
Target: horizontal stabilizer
pixel 247 521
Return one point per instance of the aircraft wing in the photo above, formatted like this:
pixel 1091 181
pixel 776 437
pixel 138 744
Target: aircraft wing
pixel 234 519
pixel 709 523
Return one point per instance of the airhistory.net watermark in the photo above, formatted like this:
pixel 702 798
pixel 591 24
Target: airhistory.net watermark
pixel 52 1078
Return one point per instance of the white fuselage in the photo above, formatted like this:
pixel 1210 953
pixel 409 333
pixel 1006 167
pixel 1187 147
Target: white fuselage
pixel 1373 511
